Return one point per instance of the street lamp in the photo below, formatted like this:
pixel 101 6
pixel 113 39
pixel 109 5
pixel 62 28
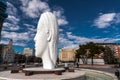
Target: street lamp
pixel 26 58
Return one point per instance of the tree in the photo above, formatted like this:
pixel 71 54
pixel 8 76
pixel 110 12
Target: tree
pixel 94 49
pixel 80 53
pixel 109 57
pixel 90 47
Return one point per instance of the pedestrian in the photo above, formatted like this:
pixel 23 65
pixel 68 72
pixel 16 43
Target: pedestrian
pixel 117 73
pixel 77 65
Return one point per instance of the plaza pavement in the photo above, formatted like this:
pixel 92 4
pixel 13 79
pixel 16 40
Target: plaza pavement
pixel 105 68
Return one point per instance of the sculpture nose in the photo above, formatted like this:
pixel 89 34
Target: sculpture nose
pixel 35 38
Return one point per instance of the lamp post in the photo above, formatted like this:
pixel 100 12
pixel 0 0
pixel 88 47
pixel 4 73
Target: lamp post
pixel 26 58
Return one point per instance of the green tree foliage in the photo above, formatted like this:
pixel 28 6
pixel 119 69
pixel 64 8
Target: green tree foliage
pixel 109 57
pixel 80 53
pixel 88 50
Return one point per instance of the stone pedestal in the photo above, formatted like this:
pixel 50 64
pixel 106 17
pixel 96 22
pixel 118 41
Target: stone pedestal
pixel 31 71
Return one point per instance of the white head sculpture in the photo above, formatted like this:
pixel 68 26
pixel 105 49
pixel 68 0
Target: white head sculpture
pixel 46 40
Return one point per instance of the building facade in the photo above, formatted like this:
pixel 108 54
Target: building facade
pixel 29 52
pixel 117 51
pixel 7 53
pixel 3 14
pixel 67 55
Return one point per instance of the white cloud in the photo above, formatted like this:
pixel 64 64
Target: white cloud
pixel 82 40
pixel 13 19
pixel 11 10
pixel 28 25
pixel 20 44
pixel 104 20
pixel 10 27
pixel 60 30
pixel 15 36
pixel 117 18
pixel 19 39
pixel 31 28
pixel 62 22
pixel 72 41
pixel 65 43
pixel 11 24
pixel 33 8
pixel 61 18
pixel 15 43
pixel 3 42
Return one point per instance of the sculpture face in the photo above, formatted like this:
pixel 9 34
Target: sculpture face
pixel 46 40
pixel 40 42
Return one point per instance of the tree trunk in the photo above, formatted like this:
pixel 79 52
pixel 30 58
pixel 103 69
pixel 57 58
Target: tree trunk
pixel 84 59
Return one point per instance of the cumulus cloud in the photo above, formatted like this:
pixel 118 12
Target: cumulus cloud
pixel 60 30
pixel 15 35
pixel 30 28
pixel 20 44
pixel 61 19
pixel 82 40
pixel 12 19
pixel 65 42
pixel 104 20
pixel 11 9
pixel 10 27
pixel 73 41
pixel 33 8
pixel 15 43
pixel 20 38
pixel 22 34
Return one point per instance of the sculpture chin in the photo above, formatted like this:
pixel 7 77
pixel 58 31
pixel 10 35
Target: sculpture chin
pixel 38 54
pixel 39 50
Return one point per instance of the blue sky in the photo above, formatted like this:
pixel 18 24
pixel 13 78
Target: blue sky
pixel 80 21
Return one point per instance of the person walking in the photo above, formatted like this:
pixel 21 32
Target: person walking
pixel 77 65
pixel 117 74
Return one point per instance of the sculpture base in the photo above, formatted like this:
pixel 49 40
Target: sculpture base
pixel 77 75
pixel 38 70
